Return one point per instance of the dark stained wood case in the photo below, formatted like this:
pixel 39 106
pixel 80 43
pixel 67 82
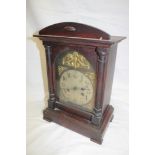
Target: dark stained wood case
pixel 100 49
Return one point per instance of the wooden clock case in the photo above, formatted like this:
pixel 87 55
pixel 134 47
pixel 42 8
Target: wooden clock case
pixel 100 49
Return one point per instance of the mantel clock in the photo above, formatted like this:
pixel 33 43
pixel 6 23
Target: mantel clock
pixel 80 67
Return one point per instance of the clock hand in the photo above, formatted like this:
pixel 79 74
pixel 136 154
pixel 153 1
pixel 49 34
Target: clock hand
pixel 75 88
pixel 78 88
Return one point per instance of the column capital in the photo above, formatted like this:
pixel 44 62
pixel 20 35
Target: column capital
pixel 102 52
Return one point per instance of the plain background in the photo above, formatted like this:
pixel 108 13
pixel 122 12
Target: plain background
pixel 49 138
pixel 13 77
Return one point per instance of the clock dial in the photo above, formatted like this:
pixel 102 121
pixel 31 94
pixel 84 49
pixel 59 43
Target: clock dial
pixel 75 87
pixel 76 80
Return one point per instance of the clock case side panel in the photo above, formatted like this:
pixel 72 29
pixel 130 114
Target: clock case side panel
pixel 109 76
pixel 54 51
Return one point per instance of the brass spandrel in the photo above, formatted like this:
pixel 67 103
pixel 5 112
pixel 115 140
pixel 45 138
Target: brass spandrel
pixel 61 69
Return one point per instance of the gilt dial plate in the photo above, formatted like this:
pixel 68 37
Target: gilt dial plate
pixel 76 80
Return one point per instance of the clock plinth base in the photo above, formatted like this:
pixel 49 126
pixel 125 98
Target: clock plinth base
pixel 80 125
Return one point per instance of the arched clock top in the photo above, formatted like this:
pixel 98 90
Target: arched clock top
pixel 76 33
pixel 71 29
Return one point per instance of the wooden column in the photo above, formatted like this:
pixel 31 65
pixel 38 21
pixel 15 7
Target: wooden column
pixel 102 59
pixel 49 63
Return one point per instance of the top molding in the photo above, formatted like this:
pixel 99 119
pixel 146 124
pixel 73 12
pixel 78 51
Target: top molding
pixel 70 29
pixel 77 33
